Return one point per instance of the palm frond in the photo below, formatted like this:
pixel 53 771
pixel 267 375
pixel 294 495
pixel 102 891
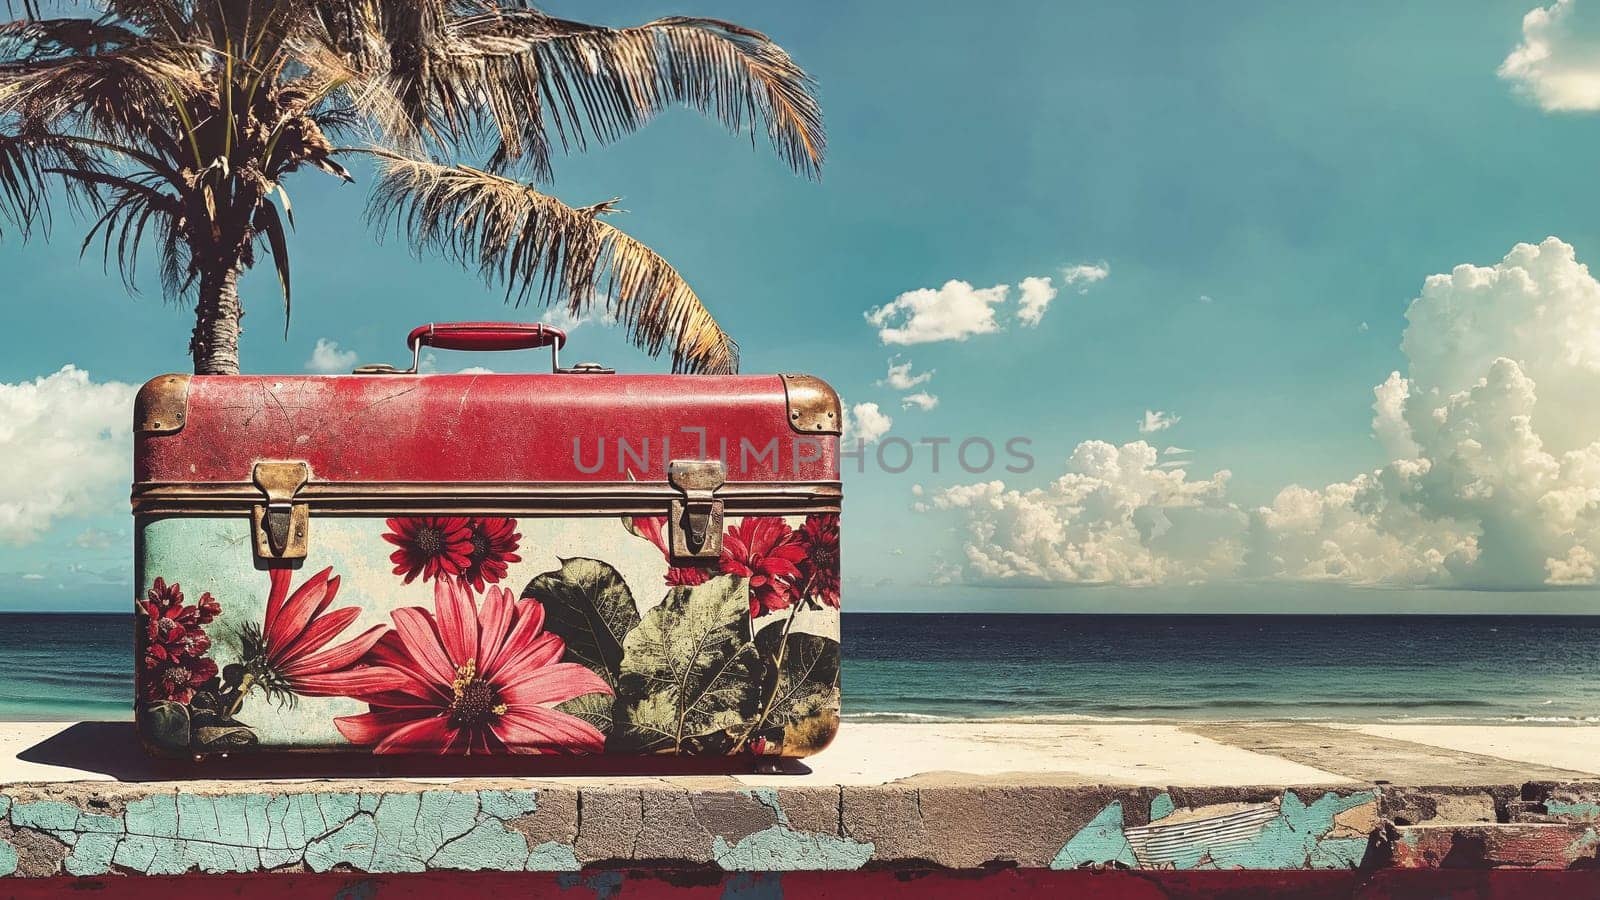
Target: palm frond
pixel 269 223
pixel 36 40
pixel 26 161
pixel 133 204
pixel 527 76
pixel 543 249
pixel 125 95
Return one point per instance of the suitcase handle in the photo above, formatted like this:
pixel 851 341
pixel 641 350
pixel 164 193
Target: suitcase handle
pixel 486 336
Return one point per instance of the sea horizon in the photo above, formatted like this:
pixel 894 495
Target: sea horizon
pixel 1057 667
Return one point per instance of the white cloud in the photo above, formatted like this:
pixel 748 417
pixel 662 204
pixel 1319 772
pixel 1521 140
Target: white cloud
pixel 328 359
pixel 1156 420
pixel 900 377
pixel 1206 299
pixel 1114 517
pixel 958 310
pixel 1557 64
pixel 66 442
pixel 1176 451
pixel 1492 438
pixel 954 312
pixel 866 423
pixel 1035 299
pixel 562 318
pixel 921 400
pixel 1084 274
pixel 1363 328
pixel 429 365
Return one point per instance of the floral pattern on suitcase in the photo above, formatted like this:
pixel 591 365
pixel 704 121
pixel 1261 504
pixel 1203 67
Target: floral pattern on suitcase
pixel 408 638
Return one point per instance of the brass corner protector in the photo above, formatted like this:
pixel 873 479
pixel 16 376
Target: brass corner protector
pixel 813 406
pixel 162 405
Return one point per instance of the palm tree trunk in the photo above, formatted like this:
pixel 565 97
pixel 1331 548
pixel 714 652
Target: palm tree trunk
pixel 215 343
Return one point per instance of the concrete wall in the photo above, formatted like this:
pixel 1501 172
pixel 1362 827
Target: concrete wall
pixel 714 825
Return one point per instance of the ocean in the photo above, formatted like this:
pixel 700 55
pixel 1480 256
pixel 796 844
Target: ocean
pixel 934 667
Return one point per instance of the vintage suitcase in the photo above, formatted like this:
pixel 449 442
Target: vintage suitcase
pixel 578 562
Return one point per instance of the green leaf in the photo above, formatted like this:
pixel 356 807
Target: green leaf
pixel 164 726
pixel 805 683
pixel 589 606
pixel 267 221
pixel 689 671
pixel 596 709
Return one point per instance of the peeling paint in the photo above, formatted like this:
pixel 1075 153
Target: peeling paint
pixel 1099 842
pixel 1285 834
pixel 781 848
pixel 552 857
pixel 256 828
pixel 1582 810
pixel 1161 807
pixel 490 845
pixel 45 815
pixel 175 833
pixel 508 804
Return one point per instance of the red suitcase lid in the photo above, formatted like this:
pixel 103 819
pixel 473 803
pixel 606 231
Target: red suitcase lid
pixel 573 425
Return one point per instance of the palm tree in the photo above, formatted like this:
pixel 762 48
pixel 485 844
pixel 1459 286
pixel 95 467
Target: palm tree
pixel 181 119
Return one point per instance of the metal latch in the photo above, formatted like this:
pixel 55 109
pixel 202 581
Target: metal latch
pixel 281 526
pixel 694 527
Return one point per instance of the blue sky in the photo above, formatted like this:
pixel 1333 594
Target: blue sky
pixel 1267 186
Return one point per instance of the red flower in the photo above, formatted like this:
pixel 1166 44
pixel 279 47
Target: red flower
pixel 178 680
pixel 765 550
pixel 430 546
pixel 288 654
pixel 819 571
pixel 652 529
pixel 494 544
pixel 469 679
pixel 175 644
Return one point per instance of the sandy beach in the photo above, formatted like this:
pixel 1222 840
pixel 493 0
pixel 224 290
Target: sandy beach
pixel 1141 754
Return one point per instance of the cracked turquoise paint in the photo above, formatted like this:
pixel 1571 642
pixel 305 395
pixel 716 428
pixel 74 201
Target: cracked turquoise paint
pixel 508 804
pixel 1099 842
pixel 553 856
pixel 1576 809
pixel 1338 853
pixel 45 815
pixel 92 854
pixel 1584 846
pixel 1296 839
pixel 173 833
pixel 781 848
pixel 490 845
pixel 1287 842
pixel 1161 807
